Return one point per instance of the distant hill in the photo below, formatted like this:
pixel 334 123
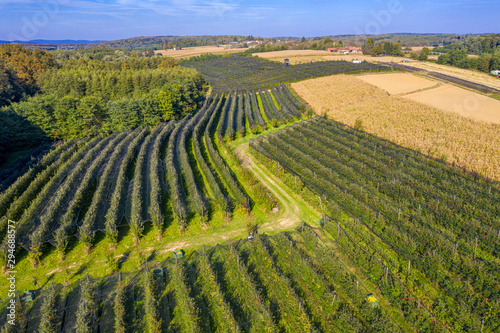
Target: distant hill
pixel 160 42
pixel 55 41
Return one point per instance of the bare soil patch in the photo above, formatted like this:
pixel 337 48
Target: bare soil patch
pixel 461 101
pixel 398 83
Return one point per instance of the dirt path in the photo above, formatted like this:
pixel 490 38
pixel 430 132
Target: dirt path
pixel 291 215
pixel 289 205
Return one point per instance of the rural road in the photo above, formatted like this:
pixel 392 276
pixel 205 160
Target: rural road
pixel 290 206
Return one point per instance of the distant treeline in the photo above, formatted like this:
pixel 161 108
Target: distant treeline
pixel 487 47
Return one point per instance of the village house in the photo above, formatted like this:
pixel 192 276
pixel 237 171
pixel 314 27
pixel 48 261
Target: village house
pixel 345 50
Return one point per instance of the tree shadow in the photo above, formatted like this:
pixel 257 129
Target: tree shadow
pixel 47 249
pixel 123 230
pixel 152 256
pixel 98 237
pixel 123 259
pixel 72 244
pixel 81 270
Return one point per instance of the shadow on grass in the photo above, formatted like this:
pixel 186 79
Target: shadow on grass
pixel 123 230
pixel 72 244
pixel 152 256
pixel 148 227
pixel 47 250
pixel 81 270
pixel 50 277
pixel 123 259
pixel 98 237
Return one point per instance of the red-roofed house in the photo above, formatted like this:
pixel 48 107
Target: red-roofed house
pixel 345 50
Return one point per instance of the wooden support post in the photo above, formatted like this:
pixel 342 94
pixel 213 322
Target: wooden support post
pixel 418 304
pixel 338 230
pixel 409 261
pixel 300 304
pixel 334 297
pixel 456 249
pixel 378 184
pixel 399 214
pixel 386 272
pixel 357 286
pixel 482 325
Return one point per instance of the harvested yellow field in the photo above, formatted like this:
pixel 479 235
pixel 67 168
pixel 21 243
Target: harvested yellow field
pixel 468 143
pixel 347 90
pixel 196 51
pixel 291 53
pixel 420 48
pixel 398 83
pixel 304 56
pixel 461 101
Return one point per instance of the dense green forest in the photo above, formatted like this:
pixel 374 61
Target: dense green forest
pixel 73 94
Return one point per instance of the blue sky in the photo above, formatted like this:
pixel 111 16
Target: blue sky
pixel 115 19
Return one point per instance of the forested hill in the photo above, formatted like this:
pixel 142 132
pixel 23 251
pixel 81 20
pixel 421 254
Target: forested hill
pixel 70 95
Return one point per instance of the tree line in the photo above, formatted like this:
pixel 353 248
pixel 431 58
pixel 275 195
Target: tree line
pixel 45 96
